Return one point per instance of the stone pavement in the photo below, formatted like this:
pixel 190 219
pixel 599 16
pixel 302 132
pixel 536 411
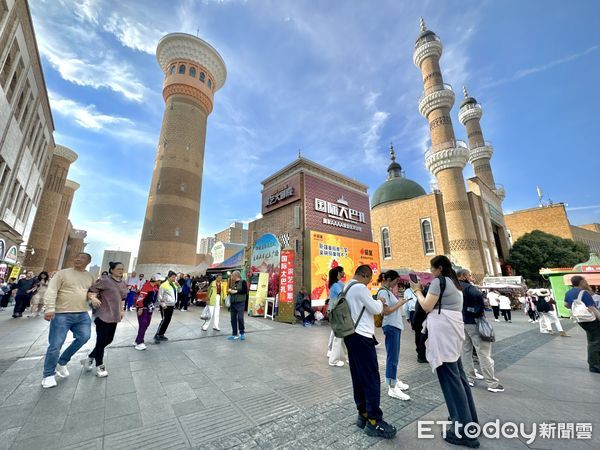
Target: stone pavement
pixel 275 390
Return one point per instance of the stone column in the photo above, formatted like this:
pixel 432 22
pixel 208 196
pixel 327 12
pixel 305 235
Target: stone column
pixel 45 217
pixel 75 245
pixel 57 243
pixel 447 156
pixel 193 72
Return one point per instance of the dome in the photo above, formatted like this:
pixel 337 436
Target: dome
pixel 396 189
pixel 467 100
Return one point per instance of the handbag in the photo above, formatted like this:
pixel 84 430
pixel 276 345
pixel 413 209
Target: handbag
pixel 205 315
pixel 579 312
pixel 228 301
pixel 485 330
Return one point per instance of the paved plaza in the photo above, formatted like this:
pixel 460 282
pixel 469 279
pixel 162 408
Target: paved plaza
pixel 275 390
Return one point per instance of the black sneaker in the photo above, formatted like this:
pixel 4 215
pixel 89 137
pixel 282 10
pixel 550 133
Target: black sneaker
pixel 421 360
pixel 157 339
pixel 361 421
pixel 451 438
pixel 497 388
pixel 594 369
pixel 163 338
pixel 380 429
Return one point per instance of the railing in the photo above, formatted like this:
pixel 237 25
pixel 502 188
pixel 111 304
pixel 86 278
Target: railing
pixel 425 39
pixel 471 106
pixel 436 88
pixel 456 143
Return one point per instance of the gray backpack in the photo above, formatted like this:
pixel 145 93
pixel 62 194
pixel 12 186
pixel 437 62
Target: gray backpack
pixel 339 315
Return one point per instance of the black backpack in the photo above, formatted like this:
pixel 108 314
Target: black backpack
pixel 420 314
pixel 542 305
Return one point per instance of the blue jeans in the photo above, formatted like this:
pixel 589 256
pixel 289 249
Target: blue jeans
pixel 392 348
pixel 79 324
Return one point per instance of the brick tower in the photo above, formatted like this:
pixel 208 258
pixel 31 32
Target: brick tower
pixel 194 71
pixel 59 235
pixel 480 151
pixel 45 217
pixel 447 156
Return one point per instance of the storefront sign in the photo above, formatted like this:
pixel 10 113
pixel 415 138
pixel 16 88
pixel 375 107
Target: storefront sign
pixel 3 269
pixel 11 255
pixel 218 253
pixel 328 251
pixel 282 194
pixel 590 268
pixel 2 248
pixel 286 280
pixel 339 214
pixel 259 286
pixel 265 259
pixel 16 270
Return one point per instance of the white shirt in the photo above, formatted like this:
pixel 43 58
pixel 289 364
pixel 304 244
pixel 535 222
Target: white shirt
pixel 504 302
pixel 493 298
pixel 358 295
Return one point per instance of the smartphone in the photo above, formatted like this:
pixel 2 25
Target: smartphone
pixel 413 277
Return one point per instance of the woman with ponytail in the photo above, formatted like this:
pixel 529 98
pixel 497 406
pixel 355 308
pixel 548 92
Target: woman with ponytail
pixel 445 337
pixel 392 329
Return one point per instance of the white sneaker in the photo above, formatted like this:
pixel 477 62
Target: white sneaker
pixel 337 364
pixel 328 353
pixel 62 371
pixel 141 346
pixel 216 329
pixel 101 371
pixel 397 393
pixel 479 376
pixel 87 363
pixel 496 320
pixel 402 386
pixel 49 382
pixel 204 327
pixel 530 321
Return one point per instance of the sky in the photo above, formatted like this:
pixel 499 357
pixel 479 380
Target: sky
pixel 334 79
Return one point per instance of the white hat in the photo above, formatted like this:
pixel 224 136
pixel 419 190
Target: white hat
pixel 156 277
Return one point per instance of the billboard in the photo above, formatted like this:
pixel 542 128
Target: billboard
pixel 286 282
pixel 265 259
pixel 328 251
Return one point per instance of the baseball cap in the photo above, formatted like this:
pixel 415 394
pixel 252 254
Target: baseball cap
pixel 156 277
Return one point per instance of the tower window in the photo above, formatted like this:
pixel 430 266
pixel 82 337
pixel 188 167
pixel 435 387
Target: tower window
pixel 177 232
pixel 385 243
pixel 182 187
pixel 193 72
pixel 209 84
pixel 202 76
pixel 427 237
pixel 172 70
pixel 182 69
pixel 158 186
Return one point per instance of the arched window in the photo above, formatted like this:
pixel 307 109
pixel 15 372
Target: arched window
pixel 177 232
pixel 209 84
pixel 182 187
pixel 193 72
pixel 158 186
pixel 427 236
pixel 172 69
pixel 182 69
pixel 202 76
pixel 385 243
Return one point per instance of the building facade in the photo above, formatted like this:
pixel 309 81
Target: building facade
pixel 115 256
pixel 552 219
pixel 206 245
pixel 26 127
pixel 193 71
pixel 464 222
pixel 234 234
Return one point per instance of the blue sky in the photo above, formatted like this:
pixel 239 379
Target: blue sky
pixel 333 78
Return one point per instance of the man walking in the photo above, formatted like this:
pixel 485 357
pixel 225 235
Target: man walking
pixel 592 329
pixel 66 303
pixel 364 368
pixel 167 297
pixel 25 288
pixel 473 308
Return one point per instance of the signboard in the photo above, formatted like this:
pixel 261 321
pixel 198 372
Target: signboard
pixel 3 269
pixel 265 259
pixel 259 285
pixel 513 281
pixel 590 268
pixel 11 255
pixel 328 251
pixel 2 248
pixel 16 270
pixel 335 209
pixel 286 280
pixel 218 253
pixel 281 194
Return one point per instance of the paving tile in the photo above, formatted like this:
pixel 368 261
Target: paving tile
pixel 47 441
pixel 121 405
pixel 168 435
pixel 7 436
pixel 122 423
pixel 187 407
pixel 15 416
pixel 83 426
pixel 200 430
pixel 179 392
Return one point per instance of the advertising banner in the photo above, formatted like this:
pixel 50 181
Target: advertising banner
pixel 259 285
pixel 265 259
pixel 328 251
pixel 286 281
pixel 16 270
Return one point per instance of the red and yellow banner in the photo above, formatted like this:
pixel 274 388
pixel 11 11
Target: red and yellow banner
pixel 286 278
pixel 328 251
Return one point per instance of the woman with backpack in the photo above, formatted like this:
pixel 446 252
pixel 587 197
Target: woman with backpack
pixel 445 337
pixel 392 328
pixel 336 348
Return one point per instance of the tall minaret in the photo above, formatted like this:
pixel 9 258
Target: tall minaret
pixel 447 156
pixel 193 72
pixel 480 151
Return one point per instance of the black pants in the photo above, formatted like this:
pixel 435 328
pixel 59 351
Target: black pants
pixel 592 330
pixel 4 301
pixel 506 315
pixel 183 300
pixel 364 370
pixel 496 310
pixel 531 314
pixel 306 312
pixel 420 344
pixel 105 332
pixel 165 313
pixel 237 318
pixel 20 304
pixel 457 393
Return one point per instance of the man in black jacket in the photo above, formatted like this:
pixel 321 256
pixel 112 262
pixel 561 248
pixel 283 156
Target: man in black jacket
pixel 473 308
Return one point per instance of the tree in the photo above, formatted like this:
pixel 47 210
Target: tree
pixel 537 250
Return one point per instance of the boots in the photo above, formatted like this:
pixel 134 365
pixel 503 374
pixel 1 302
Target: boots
pixel 563 334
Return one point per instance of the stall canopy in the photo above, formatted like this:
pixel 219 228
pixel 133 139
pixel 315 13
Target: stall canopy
pixel 233 262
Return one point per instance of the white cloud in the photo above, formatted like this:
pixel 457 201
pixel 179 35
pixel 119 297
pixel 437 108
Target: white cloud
pixel 133 34
pixel 84 116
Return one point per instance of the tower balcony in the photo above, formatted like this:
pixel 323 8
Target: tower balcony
pixel 499 191
pixel 439 96
pixel 447 155
pixel 428 45
pixel 470 111
pixel 484 152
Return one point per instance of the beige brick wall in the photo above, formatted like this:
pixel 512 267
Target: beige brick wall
pixel 549 219
pixel 589 237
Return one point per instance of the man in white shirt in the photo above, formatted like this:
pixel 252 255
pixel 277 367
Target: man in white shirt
pixel 364 368
pixel 493 298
